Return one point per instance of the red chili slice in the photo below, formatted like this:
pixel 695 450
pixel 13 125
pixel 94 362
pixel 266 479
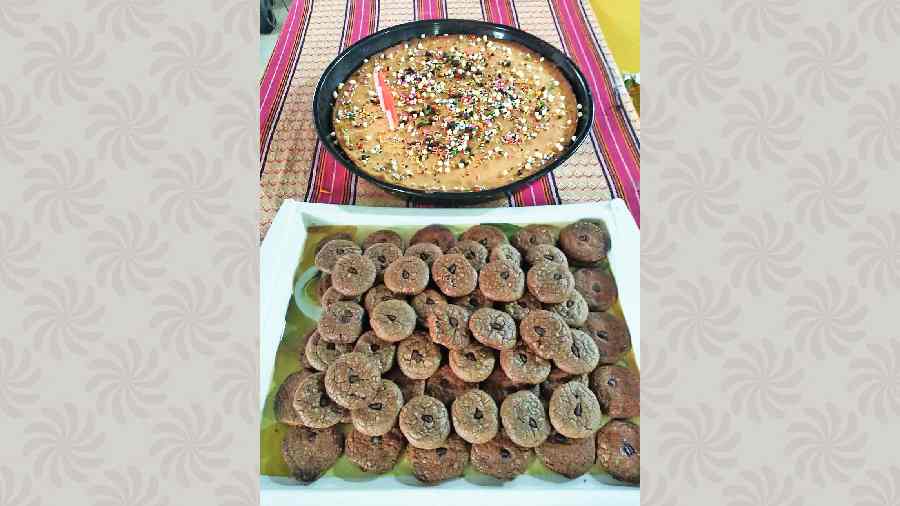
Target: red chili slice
pixel 386 98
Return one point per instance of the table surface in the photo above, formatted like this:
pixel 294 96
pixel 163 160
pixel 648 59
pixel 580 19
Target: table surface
pixel 293 164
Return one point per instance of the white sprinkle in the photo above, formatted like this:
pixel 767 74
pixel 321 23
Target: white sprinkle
pixel 340 85
pixel 334 94
pixel 573 138
pixel 353 82
pixel 578 107
pixel 580 115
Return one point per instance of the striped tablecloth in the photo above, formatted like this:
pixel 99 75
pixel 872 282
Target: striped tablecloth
pixel 293 164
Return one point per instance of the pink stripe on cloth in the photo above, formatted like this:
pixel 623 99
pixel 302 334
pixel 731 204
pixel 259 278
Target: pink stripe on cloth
pixel 604 109
pixel 277 68
pixel 432 9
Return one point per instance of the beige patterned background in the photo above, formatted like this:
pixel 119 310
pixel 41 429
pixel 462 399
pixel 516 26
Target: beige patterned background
pixel 128 252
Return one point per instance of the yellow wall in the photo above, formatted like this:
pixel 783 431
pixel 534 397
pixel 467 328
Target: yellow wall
pixel 621 24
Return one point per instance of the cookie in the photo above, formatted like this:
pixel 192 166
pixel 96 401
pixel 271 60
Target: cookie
pixel 418 357
pixel 618 390
pixel 505 253
pixel 352 275
pixel 488 236
pixel 502 281
pixel 474 301
pixel 499 386
pixel 445 386
pixel 320 353
pixel 472 364
pixel 439 235
pixel 521 365
pixel 375 454
pixel 344 236
pixel 557 378
pixel 454 275
pixel 425 422
pixel 408 386
pixel 574 410
pixel 323 285
pixel 597 287
pixel 475 416
pixel 580 358
pixel 448 325
pixel 424 251
pixel 341 322
pixel 332 295
pixel 444 462
pixel 474 252
pixel 380 413
pixel 332 251
pixel 585 242
pixel 533 235
pixel 566 456
pixel 383 237
pixel 353 379
pixel 406 275
pixel 545 253
pixel 520 308
pixel 523 419
pixel 425 302
pixel 308 452
pixel 619 450
pixel 376 294
pixel 574 310
pixel 493 328
pixel 393 320
pixel 610 334
pixel 313 406
pixel 545 333
pixel 550 283
pixel 382 254
pixel 500 458
pixel 382 350
pixel 284 398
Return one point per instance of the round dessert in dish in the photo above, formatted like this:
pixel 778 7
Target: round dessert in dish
pixel 454 113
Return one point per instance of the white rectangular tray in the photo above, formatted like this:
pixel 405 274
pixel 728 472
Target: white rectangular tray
pixel 279 256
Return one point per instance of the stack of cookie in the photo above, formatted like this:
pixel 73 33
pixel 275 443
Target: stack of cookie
pixel 477 349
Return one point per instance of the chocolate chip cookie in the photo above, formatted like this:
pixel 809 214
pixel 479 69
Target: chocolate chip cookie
pixel 533 235
pixel 424 251
pixel 475 416
pixel 545 333
pixel 454 275
pixel 406 275
pixel 375 454
pixel 383 351
pixel 500 458
pixel 474 252
pixel 580 358
pixel 444 462
pixel 573 310
pixel 550 283
pixel 425 422
pixel 472 364
pixel 522 366
pixel 523 418
pixel 393 320
pixel 439 235
pixel 331 296
pixel 619 450
pixel 341 322
pixel 502 281
pixel 566 456
pixel 418 357
pixel 448 325
pixel 332 251
pixel 505 253
pixel 382 254
pixel 352 275
pixel 353 379
pixel 618 390
pixel 557 378
pixel 313 406
pixel 284 398
pixel 383 237
pixel 597 287
pixel 376 294
pixel 493 328
pixel 488 236
pixel 308 452
pixel 520 308
pixel 545 253
pixel 425 302
pixel 445 386
pixel 585 242
pixel 320 353
pixel 380 412
pixel 574 410
pixel 610 334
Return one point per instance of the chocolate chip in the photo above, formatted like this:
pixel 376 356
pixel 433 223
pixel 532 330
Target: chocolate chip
pixel 424 256
pixel 557 276
pixel 346 316
pixel 504 453
pixel 611 382
pixel 376 406
pixel 578 410
pixel 576 351
pixel 522 358
pixel 376 440
pixel 441 451
pixel 533 240
pixel 452 268
pixel 570 303
pixel 470 255
pixel 601 334
pixel 416 356
pixel 311 436
pixel 352 270
pixel 496 326
pixel 532 423
pixel 473 302
pixel 404 274
pixel 478 414
pixel 323 401
pixel 550 257
pixel 470 356
pixel 583 238
pixel 596 287
pixel 374 347
pixel 453 321
pixel 504 274
pixel 329 346
pixel 429 301
pixel 391 318
pixel 382 259
pixel 427 418
pixel 352 378
pixel 540 331
pixel 339 251
pixel 627 449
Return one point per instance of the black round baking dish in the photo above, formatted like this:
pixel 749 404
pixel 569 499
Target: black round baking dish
pixel 349 60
